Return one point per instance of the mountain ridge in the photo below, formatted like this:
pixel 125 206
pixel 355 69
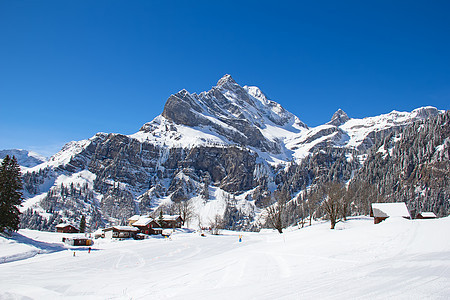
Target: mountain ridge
pixel 228 142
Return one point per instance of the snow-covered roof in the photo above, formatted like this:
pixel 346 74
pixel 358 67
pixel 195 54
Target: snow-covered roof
pixel 122 228
pixel 62 225
pixel 390 210
pixel 143 221
pixel 428 214
pixel 134 218
pixel 170 217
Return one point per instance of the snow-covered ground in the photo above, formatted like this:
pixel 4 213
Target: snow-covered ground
pixel 396 259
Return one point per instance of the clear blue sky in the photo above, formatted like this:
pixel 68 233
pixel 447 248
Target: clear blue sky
pixel 69 69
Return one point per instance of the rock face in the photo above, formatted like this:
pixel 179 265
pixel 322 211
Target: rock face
pixel 233 112
pixel 339 118
pixel 226 148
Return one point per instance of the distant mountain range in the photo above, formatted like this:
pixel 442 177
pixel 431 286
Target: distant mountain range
pixel 224 150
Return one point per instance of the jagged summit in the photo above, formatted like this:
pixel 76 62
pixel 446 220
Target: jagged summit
pixel 226 80
pixel 235 114
pixel 339 118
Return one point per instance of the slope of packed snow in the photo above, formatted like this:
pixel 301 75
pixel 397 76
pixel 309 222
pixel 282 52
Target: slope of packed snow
pixel 398 258
pixel 164 132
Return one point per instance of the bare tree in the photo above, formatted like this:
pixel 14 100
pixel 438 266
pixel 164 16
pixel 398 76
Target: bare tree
pixel 349 197
pixel 185 209
pixel 332 204
pixel 217 224
pixel 300 210
pixel 311 203
pixel 276 212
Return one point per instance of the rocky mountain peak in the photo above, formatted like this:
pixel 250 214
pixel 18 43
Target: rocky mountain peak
pixel 226 80
pixel 425 112
pixel 238 115
pixel 339 118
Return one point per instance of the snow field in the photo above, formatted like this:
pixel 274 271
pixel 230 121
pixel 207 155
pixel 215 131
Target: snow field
pixel 398 258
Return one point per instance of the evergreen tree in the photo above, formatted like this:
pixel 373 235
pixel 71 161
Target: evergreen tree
pixel 161 219
pixel 82 224
pixel 10 194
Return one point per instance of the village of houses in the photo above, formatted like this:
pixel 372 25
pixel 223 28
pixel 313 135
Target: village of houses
pixel 143 226
pixel 139 227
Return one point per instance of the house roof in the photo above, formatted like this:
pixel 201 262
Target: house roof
pixel 121 228
pixel 63 225
pixel 143 221
pixel 428 214
pixel 170 217
pixel 134 218
pixel 384 210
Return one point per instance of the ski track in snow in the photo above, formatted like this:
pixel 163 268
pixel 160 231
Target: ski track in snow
pixel 397 259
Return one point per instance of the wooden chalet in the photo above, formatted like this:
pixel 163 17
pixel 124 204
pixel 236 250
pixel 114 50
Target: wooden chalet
pixel 171 221
pixel 120 232
pixel 382 211
pixel 146 225
pixel 426 215
pixel 66 228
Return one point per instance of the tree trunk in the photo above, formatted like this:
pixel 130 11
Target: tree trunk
pixel 333 223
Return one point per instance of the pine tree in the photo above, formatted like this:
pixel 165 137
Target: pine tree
pixel 161 219
pixel 10 194
pixel 82 224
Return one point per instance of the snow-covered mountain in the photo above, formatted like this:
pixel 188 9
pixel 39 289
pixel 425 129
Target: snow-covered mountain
pixel 359 134
pixel 230 142
pixel 26 159
pixel 225 115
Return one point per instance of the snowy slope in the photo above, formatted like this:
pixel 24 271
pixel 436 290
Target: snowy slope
pixel 350 133
pixel 26 159
pixel 397 259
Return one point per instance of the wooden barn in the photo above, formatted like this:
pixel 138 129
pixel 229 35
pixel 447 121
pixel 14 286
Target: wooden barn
pixel 146 225
pixel 66 228
pixel 120 232
pixel 382 211
pixel 426 215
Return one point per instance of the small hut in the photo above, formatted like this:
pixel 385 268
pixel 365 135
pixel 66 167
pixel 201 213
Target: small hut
pixel 120 232
pixel 78 241
pixel 426 215
pixel 66 228
pixel 382 211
